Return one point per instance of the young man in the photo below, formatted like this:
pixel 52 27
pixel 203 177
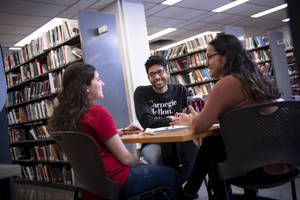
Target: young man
pixel 156 105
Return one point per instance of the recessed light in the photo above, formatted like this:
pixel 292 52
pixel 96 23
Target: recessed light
pixel 286 20
pixel 170 2
pixel 230 5
pixel 263 13
pixel 161 33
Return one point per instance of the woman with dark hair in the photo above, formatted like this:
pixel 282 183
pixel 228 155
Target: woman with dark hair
pixel 75 112
pixel 241 84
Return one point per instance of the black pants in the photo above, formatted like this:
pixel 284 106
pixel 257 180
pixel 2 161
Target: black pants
pixel 211 151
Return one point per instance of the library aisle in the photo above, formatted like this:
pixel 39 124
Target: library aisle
pixel 29 192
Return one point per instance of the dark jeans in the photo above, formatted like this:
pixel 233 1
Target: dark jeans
pixel 147 177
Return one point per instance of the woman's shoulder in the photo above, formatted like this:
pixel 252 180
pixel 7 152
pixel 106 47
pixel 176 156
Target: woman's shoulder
pixel 229 80
pixel 96 110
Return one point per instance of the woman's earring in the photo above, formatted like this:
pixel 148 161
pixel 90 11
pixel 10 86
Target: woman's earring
pixel 87 90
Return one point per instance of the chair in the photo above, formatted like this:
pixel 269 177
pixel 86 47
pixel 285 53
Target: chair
pixel 86 161
pixel 254 139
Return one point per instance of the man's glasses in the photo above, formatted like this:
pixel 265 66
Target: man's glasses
pixel 159 72
pixel 208 57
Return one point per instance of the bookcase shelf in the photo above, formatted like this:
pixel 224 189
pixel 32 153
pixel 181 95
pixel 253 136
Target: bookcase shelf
pixel 46 184
pixel 258 48
pixel 51 95
pixel 34 162
pixel 29 123
pixel 71 41
pixel 33 142
pixel 32 88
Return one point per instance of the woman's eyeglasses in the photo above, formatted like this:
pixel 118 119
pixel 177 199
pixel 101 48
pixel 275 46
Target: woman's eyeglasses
pixel 159 72
pixel 208 57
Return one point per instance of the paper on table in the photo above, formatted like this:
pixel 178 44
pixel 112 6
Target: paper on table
pixel 154 131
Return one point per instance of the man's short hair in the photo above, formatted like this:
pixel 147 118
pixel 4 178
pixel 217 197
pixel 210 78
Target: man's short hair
pixel 156 60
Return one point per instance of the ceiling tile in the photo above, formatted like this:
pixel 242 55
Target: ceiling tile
pixel 268 3
pixel 203 4
pixel 101 4
pixel 278 15
pixel 23 20
pixel 72 11
pixel 180 13
pixel 222 18
pixel 258 23
pixel 29 8
pixel 19 30
pixel 152 30
pixel 245 9
pixel 53 2
pixel 10 38
pixel 194 26
pixel 162 22
pixel 155 9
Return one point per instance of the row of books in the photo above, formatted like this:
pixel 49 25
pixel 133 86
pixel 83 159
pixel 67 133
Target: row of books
pixel 266 68
pixel 35 133
pixel 199 43
pixel 195 76
pixel 48 173
pixel 292 69
pixel 38 132
pixel 287 44
pixel 16 135
pixel 261 55
pixel 34 111
pixel 50 152
pixel 194 60
pixel 201 89
pixel 254 42
pixel 174 52
pixel 33 91
pixel 55 59
pixel 49 39
pixel 290 57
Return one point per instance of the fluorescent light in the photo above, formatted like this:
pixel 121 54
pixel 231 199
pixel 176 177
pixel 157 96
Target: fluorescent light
pixel 14 48
pixel 260 14
pixel 50 25
pixel 170 2
pixel 161 33
pixel 230 5
pixel 214 33
pixel 286 20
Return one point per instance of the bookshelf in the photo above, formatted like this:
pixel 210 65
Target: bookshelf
pixel 186 63
pixel 33 76
pixel 292 68
pixel 259 49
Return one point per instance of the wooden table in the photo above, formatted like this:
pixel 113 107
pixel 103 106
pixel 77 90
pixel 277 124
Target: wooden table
pixel 182 135
pixel 168 140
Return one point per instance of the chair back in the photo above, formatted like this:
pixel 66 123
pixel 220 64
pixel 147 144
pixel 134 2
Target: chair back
pixel 86 161
pixel 254 139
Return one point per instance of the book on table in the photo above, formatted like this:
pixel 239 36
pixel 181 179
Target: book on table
pixel 165 129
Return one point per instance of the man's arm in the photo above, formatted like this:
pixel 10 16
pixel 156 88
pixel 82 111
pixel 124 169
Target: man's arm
pixel 144 112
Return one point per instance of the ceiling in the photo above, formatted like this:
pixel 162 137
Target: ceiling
pixel 18 18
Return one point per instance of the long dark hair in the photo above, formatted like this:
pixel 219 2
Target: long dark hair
pixel 73 98
pixel 239 64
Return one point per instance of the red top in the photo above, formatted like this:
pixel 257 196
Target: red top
pixel 99 124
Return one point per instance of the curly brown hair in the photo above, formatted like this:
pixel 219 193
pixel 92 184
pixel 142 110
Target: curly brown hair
pixel 240 65
pixel 73 98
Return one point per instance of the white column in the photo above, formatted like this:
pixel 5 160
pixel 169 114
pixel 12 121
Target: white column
pixel 134 46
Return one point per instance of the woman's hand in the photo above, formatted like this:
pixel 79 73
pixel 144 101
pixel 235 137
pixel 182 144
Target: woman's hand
pixel 129 130
pixel 184 118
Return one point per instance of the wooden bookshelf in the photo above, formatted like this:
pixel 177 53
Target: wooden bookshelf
pixel 30 90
